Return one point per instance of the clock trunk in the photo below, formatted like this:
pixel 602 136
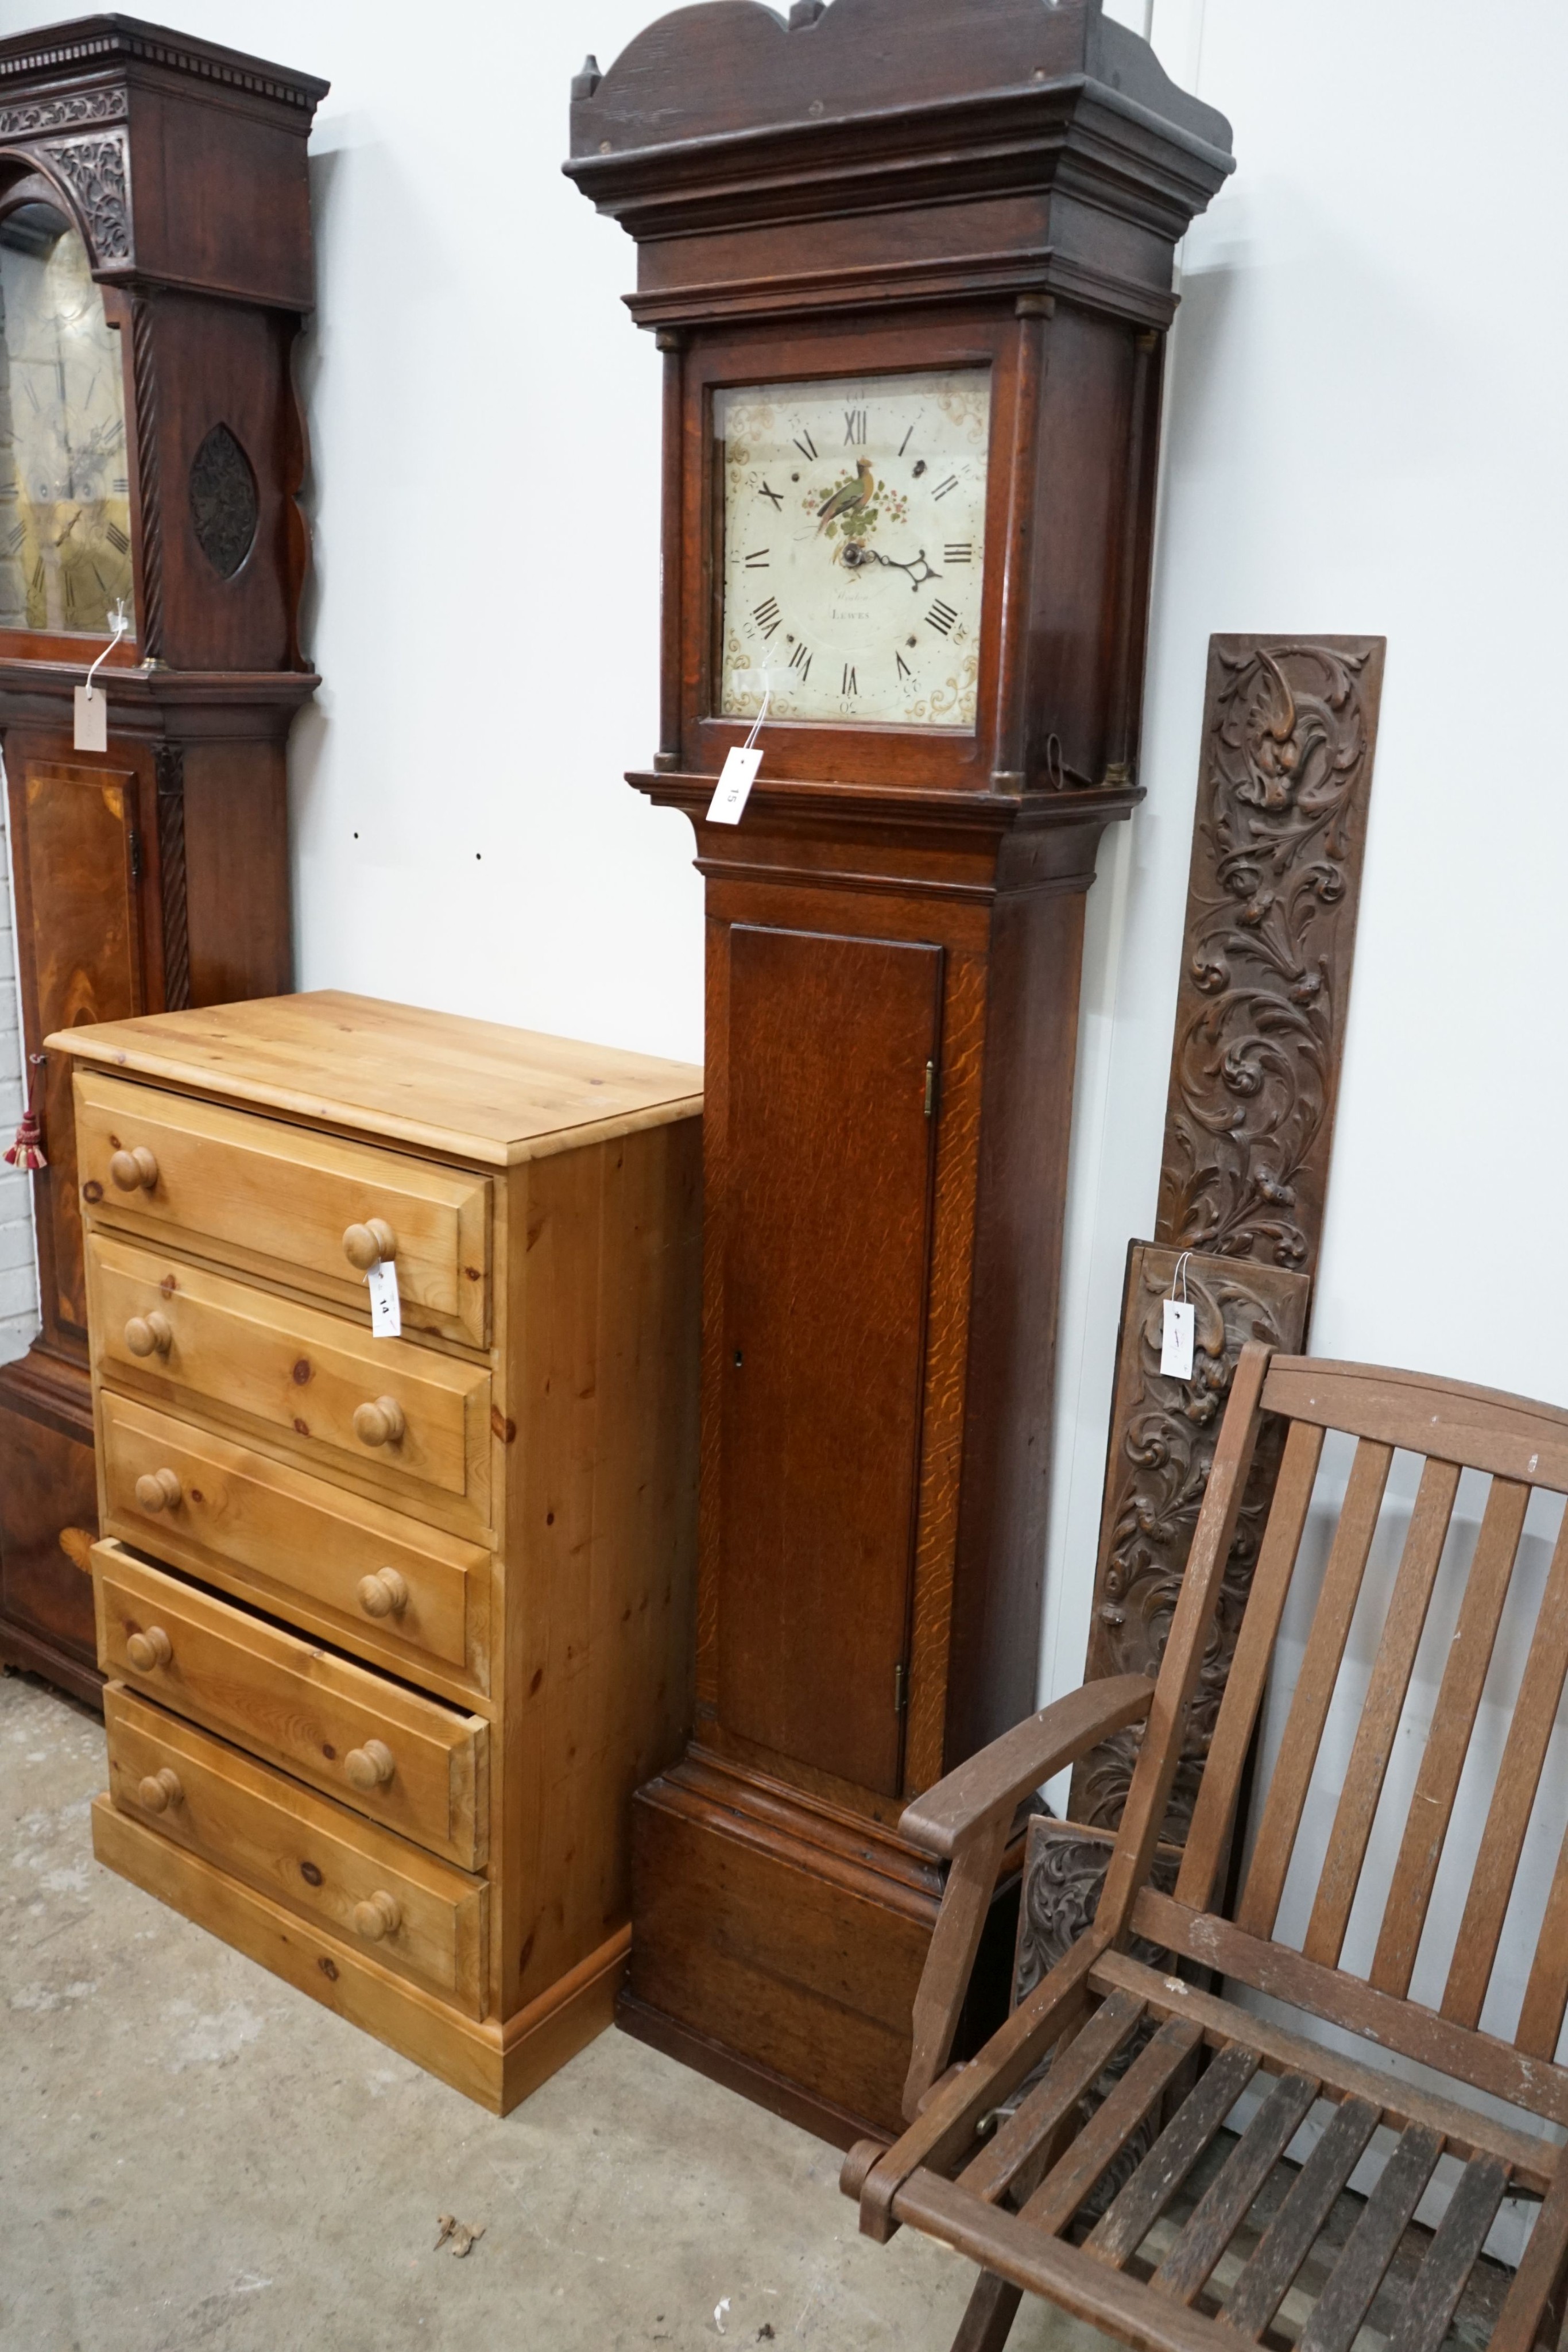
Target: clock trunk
pixel 155 265
pixel 895 932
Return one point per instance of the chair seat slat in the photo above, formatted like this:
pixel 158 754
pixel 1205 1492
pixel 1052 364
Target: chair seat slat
pixel 1072 2071
pixel 1508 1818
pixel 1467 2130
pixel 1210 1834
pixel 1462 2052
pixel 1267 2276
pixel 1315 1688
pixel 1371 2246
pixel 1375 1734
pixel 1121 2231
pixel 1107 2133
pixel 1224 2205
pixel 1448 1742
pixel 1426 2311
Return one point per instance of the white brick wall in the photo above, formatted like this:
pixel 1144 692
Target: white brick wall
pixel 19 1258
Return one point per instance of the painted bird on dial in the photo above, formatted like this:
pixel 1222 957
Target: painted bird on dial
pixel 849 498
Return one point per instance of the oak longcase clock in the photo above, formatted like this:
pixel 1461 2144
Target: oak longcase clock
pixel 154 272
pixel 910 264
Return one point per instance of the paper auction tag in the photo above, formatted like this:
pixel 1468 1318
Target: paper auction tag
pixel 386 1308
pixel 735 780
pixel 1175 1353
pixel 92 719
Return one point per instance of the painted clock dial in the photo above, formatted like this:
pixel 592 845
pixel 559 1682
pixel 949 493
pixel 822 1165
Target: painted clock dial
pixel 65 493
pixel 854 554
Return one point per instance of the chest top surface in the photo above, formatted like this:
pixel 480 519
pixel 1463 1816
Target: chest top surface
pixel 475 1088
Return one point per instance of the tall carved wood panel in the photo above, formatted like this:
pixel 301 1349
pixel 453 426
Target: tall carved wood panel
pixel 164 177
pixel 825 1200
pixel 1289 727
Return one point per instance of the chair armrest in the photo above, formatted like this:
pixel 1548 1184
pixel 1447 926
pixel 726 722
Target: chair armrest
pixel 992 1783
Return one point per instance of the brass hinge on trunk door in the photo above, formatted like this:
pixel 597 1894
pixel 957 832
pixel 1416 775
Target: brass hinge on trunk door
pixel 900 1687
pixel 930 1089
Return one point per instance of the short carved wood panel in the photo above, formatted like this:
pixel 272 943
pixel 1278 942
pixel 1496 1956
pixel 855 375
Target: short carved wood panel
pixel 1163 1433
pixel 1288 735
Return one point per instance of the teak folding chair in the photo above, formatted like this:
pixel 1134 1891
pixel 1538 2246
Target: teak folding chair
pixel 1023 2196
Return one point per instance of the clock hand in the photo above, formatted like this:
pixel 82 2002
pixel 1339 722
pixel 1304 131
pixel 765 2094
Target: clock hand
pixel 855 554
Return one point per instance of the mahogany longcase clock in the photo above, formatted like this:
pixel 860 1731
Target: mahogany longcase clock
pixel 910 263
pixel 154 271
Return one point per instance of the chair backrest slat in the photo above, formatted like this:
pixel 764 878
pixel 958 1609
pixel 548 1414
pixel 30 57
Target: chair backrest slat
pixel 1546 1994
pixel 1391 1673
pixel 1186 1644
pixel 1508 1819
pixel 1520 1448
pixel 1447 1743
pixel 1511 1437
pixel 1209 1837
pixel 1314 1690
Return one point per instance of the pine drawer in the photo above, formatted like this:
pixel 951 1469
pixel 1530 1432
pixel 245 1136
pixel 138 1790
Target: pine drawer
pixel 407 1762
pixel 285 1201
pixel 415 1914
pixel 403 1416
pixel 395 1592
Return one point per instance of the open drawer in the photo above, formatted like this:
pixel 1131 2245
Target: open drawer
pixel 408 1762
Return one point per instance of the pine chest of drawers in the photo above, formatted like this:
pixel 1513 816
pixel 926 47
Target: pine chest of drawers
pixel 393 1625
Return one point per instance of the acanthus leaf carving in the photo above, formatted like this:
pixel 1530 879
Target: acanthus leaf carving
pixel 1163 1433
pixel 1289 730
pixel 97 173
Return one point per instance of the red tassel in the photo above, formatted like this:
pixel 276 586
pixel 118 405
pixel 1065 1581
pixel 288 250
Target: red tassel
pixel 28 1151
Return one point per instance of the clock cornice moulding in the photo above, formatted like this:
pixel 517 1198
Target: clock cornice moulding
pixel 97 43
pixel 718 133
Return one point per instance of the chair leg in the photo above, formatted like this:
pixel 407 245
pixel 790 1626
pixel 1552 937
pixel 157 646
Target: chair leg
pixel 989 2320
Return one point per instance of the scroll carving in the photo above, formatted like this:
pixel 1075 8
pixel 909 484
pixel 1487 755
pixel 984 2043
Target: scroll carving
pixel 62 113
pixel 1163 1435
pixel 169 760
pixel 95 171
pixel 1289 729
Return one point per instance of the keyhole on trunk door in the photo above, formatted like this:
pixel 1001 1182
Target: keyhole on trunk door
pixel 737 1357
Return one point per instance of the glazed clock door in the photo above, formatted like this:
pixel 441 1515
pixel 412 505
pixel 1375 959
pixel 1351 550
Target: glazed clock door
pixel 831 1071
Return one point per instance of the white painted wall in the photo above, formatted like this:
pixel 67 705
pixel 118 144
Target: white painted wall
pixel 1364 432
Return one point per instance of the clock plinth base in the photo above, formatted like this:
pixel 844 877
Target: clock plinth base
pixel 777 1944
pixel 48 1495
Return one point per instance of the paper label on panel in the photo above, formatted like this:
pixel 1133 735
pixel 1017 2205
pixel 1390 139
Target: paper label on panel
pixel 1175 1353
pixel 92 719
pixel 735 780
pixel 386 1308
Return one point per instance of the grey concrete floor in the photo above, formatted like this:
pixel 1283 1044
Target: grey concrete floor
pixel 193 2154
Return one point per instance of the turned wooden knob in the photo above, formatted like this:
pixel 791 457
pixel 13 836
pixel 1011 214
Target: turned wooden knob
pixel 372 1243
pixel 159 1490
pixel 134 1171
pixel 370 1767
pixel 148 1651
pixel 150 1335
pixel 160 1791
pixel 378 1917
pixel 380 1423
pixel 384 1594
